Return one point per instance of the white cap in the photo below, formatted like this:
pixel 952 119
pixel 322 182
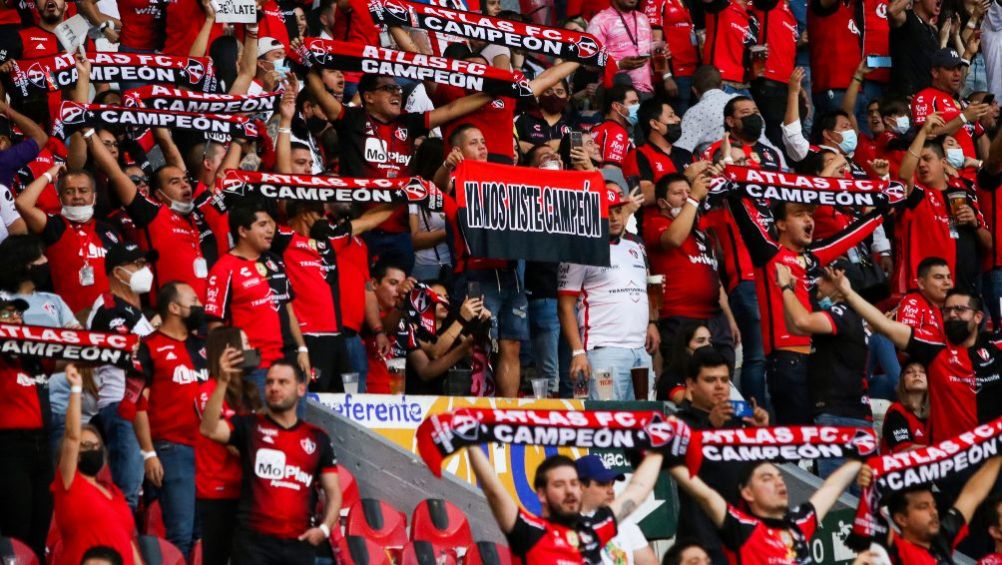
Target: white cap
pixel 266 45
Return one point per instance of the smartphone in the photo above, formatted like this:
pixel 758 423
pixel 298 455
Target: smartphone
pixel 988 99
pixel 473 289
pixel 576 141
pixel 742 409
pixel 878 62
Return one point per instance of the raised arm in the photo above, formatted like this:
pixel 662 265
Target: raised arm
pixel 898 333
pixel 213 425
pixel 897 12
pixel 331 107
pixel 69 451
pixel 502 506
pixel 119 181
pixel 645 476
pixel 681 226
pixel 708 499
pixel 283 143
pixel 25 124
pixel 201 43
pixel 797 146
pixel 26 202
pixel 977 488
pixel 833 487
pixel 551 76
pixel 457 109
pixel 799 320
pixel 247 65
pixel 910 162
pixel 852 93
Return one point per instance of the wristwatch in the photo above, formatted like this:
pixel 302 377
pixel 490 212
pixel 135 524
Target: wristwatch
pixel 789 286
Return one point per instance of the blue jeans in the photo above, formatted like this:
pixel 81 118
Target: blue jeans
pixel 977 76
pixel 357 358
pixel 739 91
pixel 744 306
pixel 504 296
pixel 619 360
pixel 828 466
pixel 396 248
pixel 177 495
pixel 124 459
pixel 882 351
pixel 544 330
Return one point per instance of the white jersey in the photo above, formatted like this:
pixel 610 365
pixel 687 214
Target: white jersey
pixel 612 301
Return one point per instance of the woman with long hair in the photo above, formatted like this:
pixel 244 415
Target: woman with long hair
pixel 905 420
pixel 691 335
pixel 89 511
pixel 217 492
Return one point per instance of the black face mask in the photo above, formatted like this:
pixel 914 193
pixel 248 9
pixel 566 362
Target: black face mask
pixel 252 359
pixel 195 319
pixel 552 103
pixel 673 133
pixel 91 462
pixel 751 127
pixel 956 331
pixel 39 275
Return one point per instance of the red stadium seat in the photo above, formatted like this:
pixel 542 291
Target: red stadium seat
pixel 158 551
pixel 440 522
pixel 196 553
pixel 488 553
pixel 357 550
pixel 52 541
pixel 17 552
pixel 349 488
pixel 54 552
pixel 153 520
pixel 427 553
pixel 378 521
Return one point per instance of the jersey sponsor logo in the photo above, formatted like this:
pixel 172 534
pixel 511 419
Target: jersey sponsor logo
pixel 26 380
pixel 498 104
pixel 267 435
pixel 186 375
pixel 882 11
pixel 375 150
pixel 270 464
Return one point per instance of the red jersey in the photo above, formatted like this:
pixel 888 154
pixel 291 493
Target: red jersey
pixel 538 540
pixel 876 35
pixel 76 251
pixel 143 24
pixel 279 466
pixel 748 539
pixel 777 29
pixel 692 287
pixel 217 470
pixel 315 279
pixel 902 430
pixel 493 119
pixel 915 311
pixel 675 21
pixel 86 518
pixel 352 275
pixel 834 45
pixel 991 207
pixel 728 33
pixel 184 20
pixel 991 559
pixel 952 530
pixel 586 8
pixel 24 397
pixel 931 100
pixel 10 16
pixel 214 212
pixel 173 371
pixel 650 162
pixel 882 150
pixel 252 296
pixel 613 142
pixel 189 237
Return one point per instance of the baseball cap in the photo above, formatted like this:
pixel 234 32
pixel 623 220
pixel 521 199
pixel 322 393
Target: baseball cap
pixel 946 58
pixel 592 468
pixel 18 304
pixel 266 45
pixel 614 196
pixel 123 254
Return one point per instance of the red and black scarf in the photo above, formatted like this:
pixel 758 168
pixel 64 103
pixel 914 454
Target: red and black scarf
pixel 802 189
pixel 354 57
pixel 62 344
pixel 171 99
pixel 74 116
pixel 312 188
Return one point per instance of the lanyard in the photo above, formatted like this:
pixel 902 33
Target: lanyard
pixel 633 40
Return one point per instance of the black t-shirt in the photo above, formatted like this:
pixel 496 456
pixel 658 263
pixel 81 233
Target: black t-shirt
pixel 540 280
pixel 533 128
pixel 373 149
pixel 837 365
pixel 912 46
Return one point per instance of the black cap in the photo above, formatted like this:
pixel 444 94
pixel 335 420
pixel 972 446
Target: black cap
pixel 946 58
pixel 123 254
pixel 18 304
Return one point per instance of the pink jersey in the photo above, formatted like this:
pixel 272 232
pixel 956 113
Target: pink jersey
pixel 626 34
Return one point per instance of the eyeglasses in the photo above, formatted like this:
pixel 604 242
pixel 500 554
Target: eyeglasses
pixel 110 143
pixel 138 180
pixel 956 309
pixel 391 88
pixel 89 446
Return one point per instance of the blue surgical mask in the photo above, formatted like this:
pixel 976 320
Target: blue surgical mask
pixel 901 125
pixel 848 143
pixel 631 115
pixel 825 303
pixel 955 157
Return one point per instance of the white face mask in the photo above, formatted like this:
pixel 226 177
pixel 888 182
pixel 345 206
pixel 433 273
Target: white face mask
pixel 902 124
pixel 955 157
pixel 141 281
pixel 675 211
pixel 551 165
pixel 183 208
pixel 79 214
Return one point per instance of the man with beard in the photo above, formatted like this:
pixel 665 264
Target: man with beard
pixel 961 119
pixel 281 456
pixel 562 534
pixel 963 369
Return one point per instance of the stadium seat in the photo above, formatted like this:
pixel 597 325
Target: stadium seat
pixel 427 553
pixel 196 553
pixel 158 551
pixel 440 522
pixel 378 521
pixel 349 488
pixel 357 550
pixel 54 552
pixel 488 553
pixel 52 541
pixel 153 520
pixel 16 552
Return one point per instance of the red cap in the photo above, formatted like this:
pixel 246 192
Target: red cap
pixel 614 196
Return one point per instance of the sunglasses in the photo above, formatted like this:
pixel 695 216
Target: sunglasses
pixel 138 180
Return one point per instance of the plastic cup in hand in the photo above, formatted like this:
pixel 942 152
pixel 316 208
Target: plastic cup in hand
pixel 603 383
pixel 397 368
pixel 539 387
pixel 350 381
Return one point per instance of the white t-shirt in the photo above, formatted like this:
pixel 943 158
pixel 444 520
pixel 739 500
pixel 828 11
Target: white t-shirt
pixel 619 550
pixel 8 214
pixel 612 301
pixel 428 222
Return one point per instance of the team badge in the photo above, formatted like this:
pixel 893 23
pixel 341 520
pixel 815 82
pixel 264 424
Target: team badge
pixel 308 445
pixel 261 269
pixel 572 538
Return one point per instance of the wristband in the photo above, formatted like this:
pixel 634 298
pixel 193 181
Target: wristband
pixel 963 118
pixel 325 529
pixel 48 177
pixel 285 130
pixel 693 201
pixel 728 160
pixel 303 349
pixel 789 287
pixel 105 25
pixel 965 61
pixel 147 455
pixel 577 352
pixel 76 389
pixel 666 76
pixel 88 133
pixel 971 24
